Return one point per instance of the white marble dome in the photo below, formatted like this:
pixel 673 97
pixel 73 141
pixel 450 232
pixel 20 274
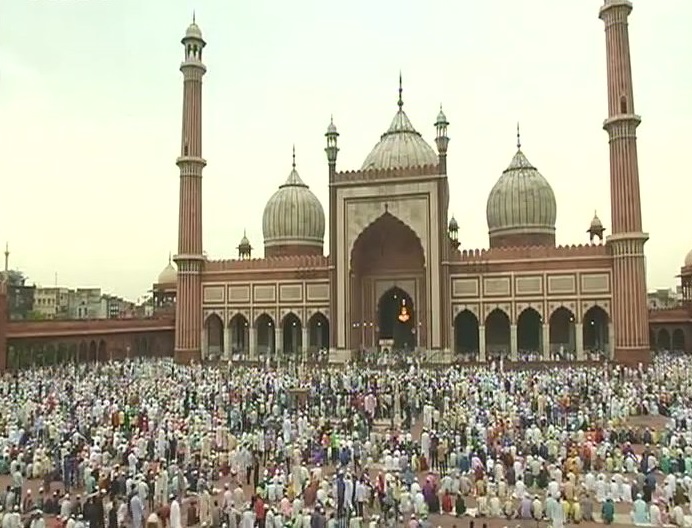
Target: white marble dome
pixel 293 216
pixel 688 259
pixel 521 202
pixel 168 275
pixel 401 146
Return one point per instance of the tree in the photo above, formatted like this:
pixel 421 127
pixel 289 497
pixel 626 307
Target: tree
pixel 16 278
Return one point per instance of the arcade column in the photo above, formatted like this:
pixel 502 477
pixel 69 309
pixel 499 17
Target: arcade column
pixel 279 339
pixel 205 343
pixel 252 345
pixel 611 341
pixel 513 346
pixel 481 343
pixel 579 340
pixel 305 340
pixel 227 342
pixel 545 345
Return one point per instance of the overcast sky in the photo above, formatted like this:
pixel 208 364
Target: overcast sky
pixel 90 110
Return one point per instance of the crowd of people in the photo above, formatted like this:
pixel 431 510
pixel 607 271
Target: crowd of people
pixel 158 444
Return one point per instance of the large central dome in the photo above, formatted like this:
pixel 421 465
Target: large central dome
pixel 401 146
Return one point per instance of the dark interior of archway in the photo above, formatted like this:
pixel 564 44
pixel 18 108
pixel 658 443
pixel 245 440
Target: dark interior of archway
pixel 265 334
pixel 529 330
pixel 663 339
pixel 595 329
pixel 396 318
pixel 678 340
pixel 497 333
pixel 319 331
pixel 387 244
pixel 239 333
pixel 561 327
pixel 292 334
pixel 215 332
pixel 466 338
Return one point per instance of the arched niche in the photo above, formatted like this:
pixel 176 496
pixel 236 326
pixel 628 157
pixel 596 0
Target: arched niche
pixel 292 331
pixel 396 316
pixel 595 329
pixel 466 333
pixel 265 328
pixel 529 331
pixel 213 327
pixel 562 331
pixel 239 328
pixel 497 333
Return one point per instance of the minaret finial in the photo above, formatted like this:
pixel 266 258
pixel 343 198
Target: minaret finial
pixel 193 17
pixel 170 257
pixel 294 156
pixel 518 136
pixel 7 257
pixel 401 91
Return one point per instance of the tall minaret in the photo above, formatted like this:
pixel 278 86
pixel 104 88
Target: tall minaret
pixel 630 316
pixel 190 258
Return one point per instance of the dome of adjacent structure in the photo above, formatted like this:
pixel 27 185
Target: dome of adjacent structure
pixel 401 146
pixel 521 207
pixel 688 259
pixel 169 275
pixel 293 220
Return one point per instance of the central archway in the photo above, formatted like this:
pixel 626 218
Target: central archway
pixel 386 252
pixel 396 315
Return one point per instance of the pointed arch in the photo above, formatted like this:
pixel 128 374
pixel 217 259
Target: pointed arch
pixel 562 330
pixel 595 329
pixel 678 340
pixel 318 330
pixel 663 341
pixel 102 351
pixel 213 327
pixel 240 334
pixel 396 316
pixel 466 333
pixel 529 330
pixel 387 243
pixel 93 351
pixel 396 218
pixel 497 333
pixel 83 352
pixel 292 334
pixel 265 328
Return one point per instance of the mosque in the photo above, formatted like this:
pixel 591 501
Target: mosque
pixel 396 274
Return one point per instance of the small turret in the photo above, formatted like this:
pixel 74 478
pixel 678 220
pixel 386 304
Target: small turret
pixel 453 231
pixel 596 229
pixel 332 149
pixel 244 248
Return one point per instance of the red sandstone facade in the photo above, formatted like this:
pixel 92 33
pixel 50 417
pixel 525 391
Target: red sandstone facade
pixel 390 235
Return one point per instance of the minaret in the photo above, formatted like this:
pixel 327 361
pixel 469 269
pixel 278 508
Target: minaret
pixel 7 257
pixel 630 316
pixel 332 150
pixel 190 258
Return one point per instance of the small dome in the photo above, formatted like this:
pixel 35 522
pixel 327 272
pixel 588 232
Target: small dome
pixel 401 146
pixel 596 223
pixel 521 208
pixel 169 275
pixel 193 32
pixel 688 259
pixel 244 242
pixel 441 118
pixel 331 129
pixel 293 216
pixel 453 224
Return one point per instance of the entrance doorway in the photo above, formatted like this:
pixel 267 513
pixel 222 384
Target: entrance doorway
pixel 396 319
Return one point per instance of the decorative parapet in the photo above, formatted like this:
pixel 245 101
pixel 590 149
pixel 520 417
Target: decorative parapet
pixel 679 314
pixel 530 253
pixel 372 175
pixel 291 262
